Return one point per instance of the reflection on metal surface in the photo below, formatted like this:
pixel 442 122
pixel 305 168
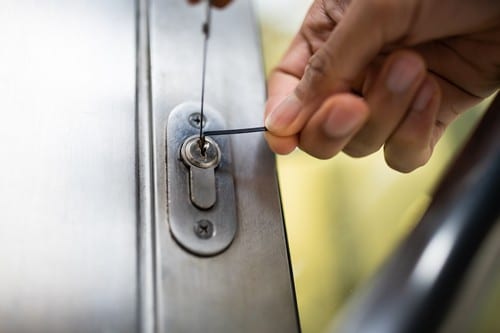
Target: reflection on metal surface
pixel 200 187
pixel 433 257
pixel 147 223
pixel 475 307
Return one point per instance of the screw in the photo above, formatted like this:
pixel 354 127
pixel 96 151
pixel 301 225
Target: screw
pixel 195 120
pixel 204 229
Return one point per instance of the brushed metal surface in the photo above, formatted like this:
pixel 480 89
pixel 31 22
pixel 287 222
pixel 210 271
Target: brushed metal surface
pixel 182 212
pixel 84 238
pixel 247 288
pixel 145 175
pixel 68 207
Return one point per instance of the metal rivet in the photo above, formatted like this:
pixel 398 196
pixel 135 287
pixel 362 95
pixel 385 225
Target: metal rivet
pixel 195 120
pixel 204 229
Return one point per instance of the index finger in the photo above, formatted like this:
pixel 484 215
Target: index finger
pixel 362 33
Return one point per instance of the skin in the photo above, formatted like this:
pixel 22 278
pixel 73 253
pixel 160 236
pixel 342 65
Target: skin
pixel 216 3
pixel 365 74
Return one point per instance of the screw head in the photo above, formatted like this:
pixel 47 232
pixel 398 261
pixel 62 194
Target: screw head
pixel 195 120
pixel 204 229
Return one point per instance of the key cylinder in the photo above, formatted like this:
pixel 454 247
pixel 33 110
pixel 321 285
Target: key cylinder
pixel 202 180
pixel 191 153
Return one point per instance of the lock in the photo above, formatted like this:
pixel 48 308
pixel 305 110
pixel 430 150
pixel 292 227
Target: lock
pixel 201 196
pixel 202 184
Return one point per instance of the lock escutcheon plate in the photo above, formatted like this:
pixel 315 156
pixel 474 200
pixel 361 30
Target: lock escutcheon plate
pixel 184 213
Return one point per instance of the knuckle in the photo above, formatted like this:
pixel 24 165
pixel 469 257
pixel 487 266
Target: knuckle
pixel 317 74
pixel 313 73
pixel 384 12
pixel 318 65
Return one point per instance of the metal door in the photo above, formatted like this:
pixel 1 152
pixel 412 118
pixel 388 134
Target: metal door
pixel 87 88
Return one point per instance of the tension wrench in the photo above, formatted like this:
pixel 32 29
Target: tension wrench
pixel 206 31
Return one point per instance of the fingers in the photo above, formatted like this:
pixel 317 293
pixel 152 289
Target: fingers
pixel 365 29
pixel 216 3
pixel 372 24
pixel 361 126
pixel 388 97
pixel 399 111
pixel 335 66
pixel 411 145
pixel 282 145
pixel 333 125
pixel 329 130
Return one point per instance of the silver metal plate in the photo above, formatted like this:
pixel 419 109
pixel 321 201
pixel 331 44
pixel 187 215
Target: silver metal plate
pixel 68 164
pixel 184 216
pixel 248 287
pixel 85 242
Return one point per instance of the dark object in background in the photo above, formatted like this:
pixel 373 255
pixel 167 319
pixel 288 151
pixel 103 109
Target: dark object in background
pixel 425 286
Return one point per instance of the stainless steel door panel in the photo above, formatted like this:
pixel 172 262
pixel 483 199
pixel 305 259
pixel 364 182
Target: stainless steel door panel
pixel 247 288
pixel 67 186
pixel 84 235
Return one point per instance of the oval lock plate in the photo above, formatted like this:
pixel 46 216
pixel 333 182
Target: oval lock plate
pixel 204 230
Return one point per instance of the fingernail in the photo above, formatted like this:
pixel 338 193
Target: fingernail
pixel 424 96
pixel 284 114
pixel 341 123
pixel 402 74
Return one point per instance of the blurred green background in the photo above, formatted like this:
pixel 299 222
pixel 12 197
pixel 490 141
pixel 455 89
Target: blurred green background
pixel 344 215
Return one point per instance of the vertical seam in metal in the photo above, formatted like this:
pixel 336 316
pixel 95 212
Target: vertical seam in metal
pixel 258 32
pixel 146 222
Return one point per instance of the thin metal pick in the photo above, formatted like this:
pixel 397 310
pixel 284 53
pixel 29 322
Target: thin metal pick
pixel 236 131
pixel 206 31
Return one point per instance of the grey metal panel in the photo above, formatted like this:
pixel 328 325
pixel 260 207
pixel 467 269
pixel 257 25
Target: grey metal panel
pixel 68 208
pixel 146 177
pixel 247 288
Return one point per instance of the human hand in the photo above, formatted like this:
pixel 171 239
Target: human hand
pixel 216 3
pixel 363 74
